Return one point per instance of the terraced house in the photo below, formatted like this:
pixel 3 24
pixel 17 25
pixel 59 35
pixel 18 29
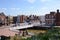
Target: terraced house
pixel 50 18
pixel 53 18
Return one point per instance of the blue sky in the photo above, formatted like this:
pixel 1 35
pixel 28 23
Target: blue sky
pixel 28 7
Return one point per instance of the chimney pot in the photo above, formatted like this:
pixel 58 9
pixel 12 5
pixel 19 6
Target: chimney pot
pixel 57 10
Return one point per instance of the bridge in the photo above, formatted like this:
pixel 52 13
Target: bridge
pixel 21 27
pixel 24 26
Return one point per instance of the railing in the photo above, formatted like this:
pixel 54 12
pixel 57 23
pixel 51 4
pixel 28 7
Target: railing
pixel 21 27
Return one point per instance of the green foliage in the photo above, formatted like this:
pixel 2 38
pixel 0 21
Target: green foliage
pixel 52 34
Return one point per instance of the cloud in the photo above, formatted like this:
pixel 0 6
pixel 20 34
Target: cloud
pixel 45 0
pixel 3 8
pixel 44 10
pixel 14 8
pixel 31 1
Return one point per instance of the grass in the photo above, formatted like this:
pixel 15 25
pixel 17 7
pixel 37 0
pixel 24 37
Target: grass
pixel 37 31
pixel 53 34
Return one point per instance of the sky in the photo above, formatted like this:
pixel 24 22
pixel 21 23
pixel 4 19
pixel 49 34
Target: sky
pixel 28 7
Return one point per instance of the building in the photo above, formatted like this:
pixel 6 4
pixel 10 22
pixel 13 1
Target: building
pixel 2 19
pixel 14 19
pixel 34 19
pixel 57 22
pixel 42 20
pixel 50 19
pixel 21 18
pixel 53 18
pixel 18 19
pixel 9 20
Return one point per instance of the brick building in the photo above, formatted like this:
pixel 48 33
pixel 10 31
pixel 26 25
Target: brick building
pixel 21 18
pixel 50 18
pixel 57 22
pixel 53 18
pixel 3 20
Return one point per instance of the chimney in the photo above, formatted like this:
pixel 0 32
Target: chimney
pixel 57 10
